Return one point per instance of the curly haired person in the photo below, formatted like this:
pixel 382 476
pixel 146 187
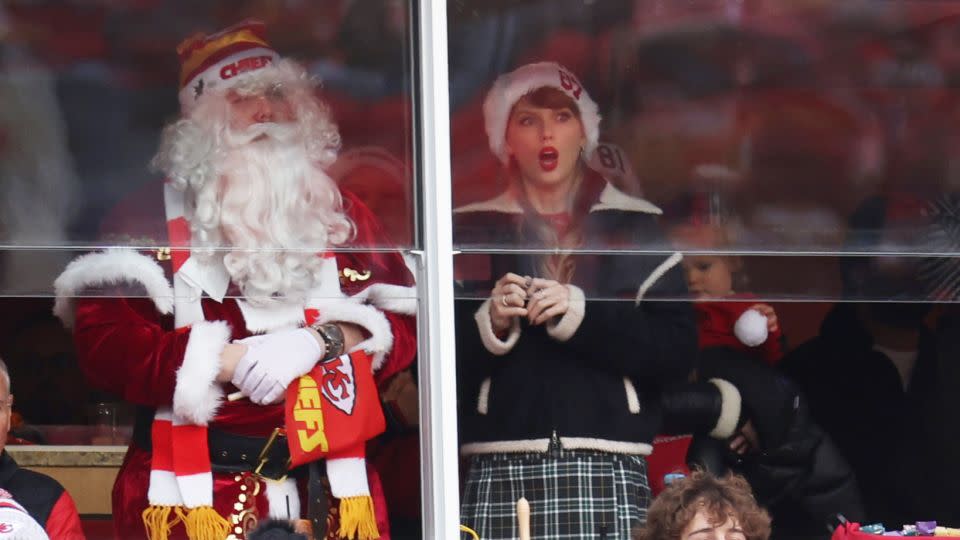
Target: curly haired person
pixel 704 507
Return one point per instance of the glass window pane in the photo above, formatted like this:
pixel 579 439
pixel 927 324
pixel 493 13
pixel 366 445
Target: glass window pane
pixel 798 155
pixel 218 175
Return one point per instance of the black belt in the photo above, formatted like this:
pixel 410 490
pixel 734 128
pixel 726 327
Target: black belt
pixel 232 453
pixel 267 456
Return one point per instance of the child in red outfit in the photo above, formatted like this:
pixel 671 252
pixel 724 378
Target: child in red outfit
pixel 725 318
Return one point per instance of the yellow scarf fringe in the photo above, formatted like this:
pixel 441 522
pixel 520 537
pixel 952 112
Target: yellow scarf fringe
pixel 158 522
pixel 204 523
pixel 357 520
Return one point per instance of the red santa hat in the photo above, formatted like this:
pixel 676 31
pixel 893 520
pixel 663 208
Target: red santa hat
pixel 510 87
pixel 221 60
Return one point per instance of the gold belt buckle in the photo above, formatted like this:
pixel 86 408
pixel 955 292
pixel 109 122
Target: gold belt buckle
pixel 263 458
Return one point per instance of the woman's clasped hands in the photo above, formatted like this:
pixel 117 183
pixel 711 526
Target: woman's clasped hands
pixel 535 299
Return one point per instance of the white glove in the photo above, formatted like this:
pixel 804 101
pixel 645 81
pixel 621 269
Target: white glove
pixel 273 361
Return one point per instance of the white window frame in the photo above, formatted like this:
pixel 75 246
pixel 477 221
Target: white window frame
pixel 439 469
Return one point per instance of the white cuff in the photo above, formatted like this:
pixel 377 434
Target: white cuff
pixel 197 394
pixel 107 268
pixel 729 410
pixel 489 338
pixel 564 329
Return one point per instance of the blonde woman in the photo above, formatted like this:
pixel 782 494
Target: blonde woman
pixel 560 350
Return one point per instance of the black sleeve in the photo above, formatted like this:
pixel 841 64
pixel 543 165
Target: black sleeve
pixel 769 399
pixel 692 408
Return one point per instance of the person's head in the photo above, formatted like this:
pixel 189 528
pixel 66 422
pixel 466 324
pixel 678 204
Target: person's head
pixel 541 124
pixel 708 275
pixel 700 225
pixel 892 285
pixel 704 507
pixel 6 404
pixel 250 153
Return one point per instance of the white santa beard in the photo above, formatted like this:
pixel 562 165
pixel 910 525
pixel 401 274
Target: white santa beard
pixel 276 211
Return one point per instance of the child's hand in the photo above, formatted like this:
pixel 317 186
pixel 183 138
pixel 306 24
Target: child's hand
pixel 772 323
pixel 548 299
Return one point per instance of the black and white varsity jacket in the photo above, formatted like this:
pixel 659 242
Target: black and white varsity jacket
pixel 580 381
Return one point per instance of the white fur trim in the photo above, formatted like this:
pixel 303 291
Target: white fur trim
pixel 633 402
pixel 483 398
pixel 525 446
pixel 567 326
pixel 263 319
pixel 392 298
pixel 751 328
pixel 106 268
pixel 283 496
pixel 510 87
pixel 213 79
pixel 196 489
pixel 489 338
pixel 505 203
pixel 657 273
pixel 729 409
pixel 197 395
pixel 163 490
pixel 612 198
pixel 380 342
pixel 348 477
pixel 603 445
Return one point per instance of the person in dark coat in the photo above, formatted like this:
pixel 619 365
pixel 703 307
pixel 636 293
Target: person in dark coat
pixel 871 375
pixel 556 348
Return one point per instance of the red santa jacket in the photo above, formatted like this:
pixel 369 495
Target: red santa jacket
pixel 127 344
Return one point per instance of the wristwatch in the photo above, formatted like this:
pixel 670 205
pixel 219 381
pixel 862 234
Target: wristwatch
pixel 332 337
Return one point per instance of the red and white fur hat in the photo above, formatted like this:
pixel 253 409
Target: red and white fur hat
pixel 510 87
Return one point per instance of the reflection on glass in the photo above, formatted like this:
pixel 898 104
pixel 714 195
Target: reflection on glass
pixel 805 158
pixel 281 183
pixel 791 114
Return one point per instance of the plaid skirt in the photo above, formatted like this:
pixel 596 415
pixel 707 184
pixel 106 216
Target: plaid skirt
pixel 572 494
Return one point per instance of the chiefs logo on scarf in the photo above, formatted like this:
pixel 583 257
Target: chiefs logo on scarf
pixel 333 410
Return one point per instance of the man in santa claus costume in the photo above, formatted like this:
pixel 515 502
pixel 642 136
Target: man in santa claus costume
pixel 255 324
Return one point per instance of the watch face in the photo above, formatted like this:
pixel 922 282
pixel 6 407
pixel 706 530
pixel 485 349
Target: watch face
pixel 333 338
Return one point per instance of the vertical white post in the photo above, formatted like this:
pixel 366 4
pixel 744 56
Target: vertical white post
pixel 438 398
